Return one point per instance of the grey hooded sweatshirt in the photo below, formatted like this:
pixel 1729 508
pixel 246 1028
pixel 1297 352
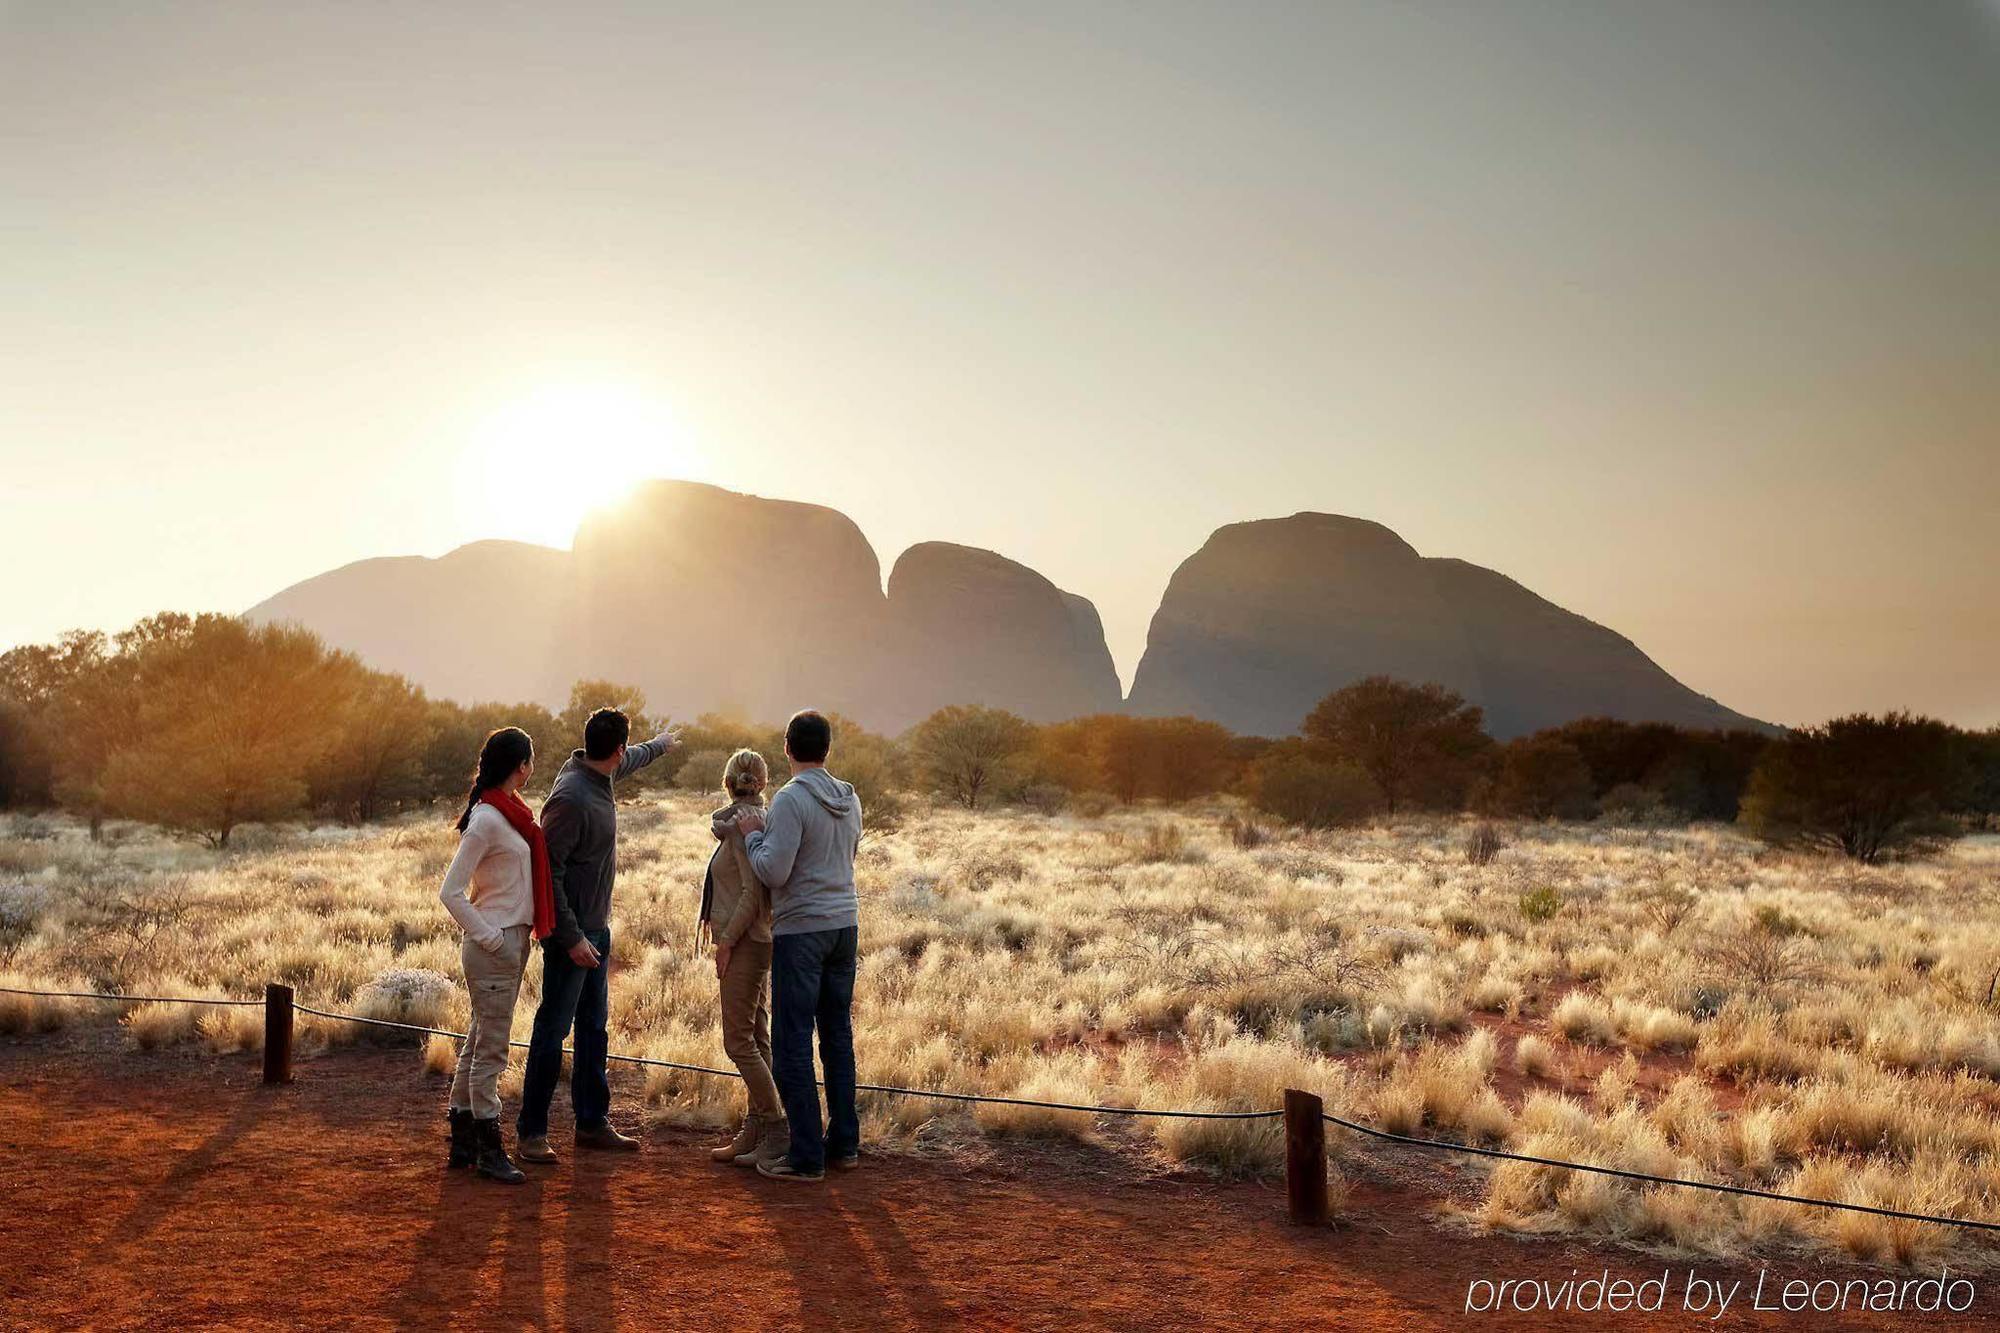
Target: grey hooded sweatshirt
pixel 805 854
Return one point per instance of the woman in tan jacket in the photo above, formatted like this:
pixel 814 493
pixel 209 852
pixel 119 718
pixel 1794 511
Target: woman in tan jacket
pixel 736 911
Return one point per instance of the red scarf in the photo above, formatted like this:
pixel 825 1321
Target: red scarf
pixel 517 813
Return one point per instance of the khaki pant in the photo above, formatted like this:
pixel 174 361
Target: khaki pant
pixel 746 1023
pixel 494 980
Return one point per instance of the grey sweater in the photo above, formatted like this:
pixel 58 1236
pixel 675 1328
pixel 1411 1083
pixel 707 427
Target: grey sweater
pixel 805 854
pixel 580 823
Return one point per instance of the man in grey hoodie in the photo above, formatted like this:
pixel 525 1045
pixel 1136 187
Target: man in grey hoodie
pixel 803 851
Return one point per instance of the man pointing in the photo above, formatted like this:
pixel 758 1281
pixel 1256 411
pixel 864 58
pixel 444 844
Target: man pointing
pixel 580 824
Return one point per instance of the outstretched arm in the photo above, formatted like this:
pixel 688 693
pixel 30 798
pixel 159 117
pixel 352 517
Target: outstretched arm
pixel 645 752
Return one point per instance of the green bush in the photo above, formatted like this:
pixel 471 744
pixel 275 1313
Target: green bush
pixel 1291 785
pixel 1869 788
pixel 1539 905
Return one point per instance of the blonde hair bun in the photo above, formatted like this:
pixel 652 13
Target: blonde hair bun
pixel 745 775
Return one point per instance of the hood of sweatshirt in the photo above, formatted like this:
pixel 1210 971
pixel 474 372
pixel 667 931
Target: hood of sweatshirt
pixel 828 790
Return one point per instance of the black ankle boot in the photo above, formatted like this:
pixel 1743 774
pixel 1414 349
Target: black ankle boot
pixel 464 1143
pixel 493 1162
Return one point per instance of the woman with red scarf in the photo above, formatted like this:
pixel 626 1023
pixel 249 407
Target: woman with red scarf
pixel 499 892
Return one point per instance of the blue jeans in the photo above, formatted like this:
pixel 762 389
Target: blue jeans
pixel 812 985
pixel 578 997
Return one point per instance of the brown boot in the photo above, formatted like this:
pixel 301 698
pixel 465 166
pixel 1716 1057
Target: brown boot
pixel 606 1139
pixel 746 1139
pixel 772 1147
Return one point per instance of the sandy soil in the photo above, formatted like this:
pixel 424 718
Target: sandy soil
pixel 170 1189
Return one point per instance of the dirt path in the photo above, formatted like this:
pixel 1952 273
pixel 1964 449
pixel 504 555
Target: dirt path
pixel 172 1190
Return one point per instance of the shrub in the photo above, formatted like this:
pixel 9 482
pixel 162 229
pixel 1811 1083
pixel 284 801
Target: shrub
pixel 1631 804
pixel 1542 778
pixel 406 995
pixel 1166 843
pixel 1291 785
pixel 1483 844
pixel 1420 746
pixel 1534 1057
pixel 1585 1018
pixel 156 1025
pixel 1771 955
pixel 440 1055
pixel 1244 834
pixel 1091 804
pixel 1539 905
pixel 1869 788
pixel 1047 798
pixel 968 751
pixel 1666 906
pixel 702 771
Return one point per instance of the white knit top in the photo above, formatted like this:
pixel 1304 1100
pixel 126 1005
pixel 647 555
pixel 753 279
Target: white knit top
pixel 491 883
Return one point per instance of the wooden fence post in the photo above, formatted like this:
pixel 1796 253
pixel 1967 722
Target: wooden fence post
pixel 1305 1158
pixel 277 1033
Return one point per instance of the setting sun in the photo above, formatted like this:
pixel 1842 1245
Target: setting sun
pixel 553 455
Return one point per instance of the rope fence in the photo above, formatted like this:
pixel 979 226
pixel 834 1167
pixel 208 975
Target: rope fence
pixel 859 1087
pixel 128 999
pixel 1443 1145
pixel 1304 1113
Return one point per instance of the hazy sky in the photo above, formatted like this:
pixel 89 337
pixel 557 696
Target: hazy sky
pixel 1686 315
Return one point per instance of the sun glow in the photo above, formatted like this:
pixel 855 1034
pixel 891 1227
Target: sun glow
pixel 549 458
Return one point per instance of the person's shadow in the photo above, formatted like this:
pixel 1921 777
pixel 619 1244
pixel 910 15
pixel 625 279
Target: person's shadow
pixel 465 1220
pixel 855 1268
pixel 589 1270
pixel 167 1197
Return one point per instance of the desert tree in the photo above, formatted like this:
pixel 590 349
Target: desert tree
pixel 1421 745
pixel 1541 777
pixel 1982 796
pixel 1162 758
pixel 967 751
pixel 374 762
pixel 1872 788
pixel 25 777
pixel 454 732
pixel 227 721
pixel 1695 774
pixel 76 701
pixel 1190 757
pixel 1291 783
pixel 1119 751
pixel 1063 756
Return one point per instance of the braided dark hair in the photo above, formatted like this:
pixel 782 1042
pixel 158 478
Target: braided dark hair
pixel 505 750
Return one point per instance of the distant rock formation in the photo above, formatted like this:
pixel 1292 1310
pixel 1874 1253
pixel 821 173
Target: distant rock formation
pixel 1541 666
pixel 1271 616
pixel 969 626
pixel 476 625
pixel 713 601
pixel 707 599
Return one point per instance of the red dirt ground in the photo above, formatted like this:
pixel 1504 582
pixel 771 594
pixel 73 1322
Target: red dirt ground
pixel 150 1190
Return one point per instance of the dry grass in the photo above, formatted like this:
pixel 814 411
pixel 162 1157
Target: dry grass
pixel 1695 1005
